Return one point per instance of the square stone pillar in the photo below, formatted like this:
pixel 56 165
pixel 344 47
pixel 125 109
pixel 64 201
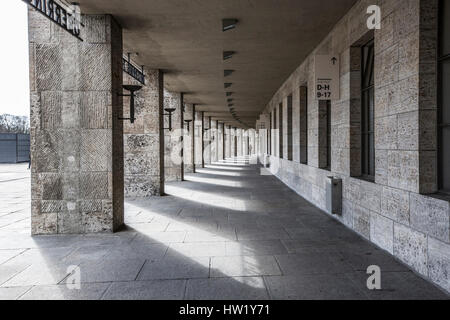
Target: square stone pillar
pixel 143 139
pixel 227 142
pixel 198 145
pixel 188 139
pixel 207 153
pixel 220 141
pixel 76 134
pixel 214 140
pixel 172 138
pixel 406 99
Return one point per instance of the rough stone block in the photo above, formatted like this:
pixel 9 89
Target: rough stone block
pixel 94 110
pixel 408 131
pixel 48 67
pixel 95 154
pixel 382 232
pixel 386 133
pixel 395 205
pixel 95 59
pixel 431 216
pixel 404 170
pixel 94 185
pixel 411 247
pixel 361 221
pixel 52 186
pixel 439 263
pixel 370 196
pixel 44 224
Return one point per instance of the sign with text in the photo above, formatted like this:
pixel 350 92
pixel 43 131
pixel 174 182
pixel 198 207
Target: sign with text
pixel 67 17
pixel 326 70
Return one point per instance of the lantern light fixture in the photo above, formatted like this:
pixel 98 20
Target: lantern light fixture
pixel 169 113
pixel 132 89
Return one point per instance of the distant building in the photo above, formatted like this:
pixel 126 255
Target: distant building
pixel 14 147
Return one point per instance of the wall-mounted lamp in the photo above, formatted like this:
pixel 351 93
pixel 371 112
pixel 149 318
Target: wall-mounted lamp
pixel 133 89
pixel 228 24
pixel 228 55
pixel 188 122
pixel 169 113
pixel 227 73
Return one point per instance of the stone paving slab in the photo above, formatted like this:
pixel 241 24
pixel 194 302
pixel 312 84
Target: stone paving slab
pixel 225 233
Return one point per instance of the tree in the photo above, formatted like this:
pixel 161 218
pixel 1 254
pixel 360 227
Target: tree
pixel 14 124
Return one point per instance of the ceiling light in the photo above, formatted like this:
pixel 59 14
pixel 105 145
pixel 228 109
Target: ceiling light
pixel 228 55
pixel 228 24
pixel 227 73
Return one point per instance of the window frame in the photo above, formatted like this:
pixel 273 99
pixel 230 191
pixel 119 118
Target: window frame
pixel 441 57
pixel 303 147
pixel 329 129
pixel 367 135
pixel 290 129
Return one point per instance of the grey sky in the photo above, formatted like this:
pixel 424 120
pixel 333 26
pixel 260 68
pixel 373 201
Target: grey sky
pixel 14 86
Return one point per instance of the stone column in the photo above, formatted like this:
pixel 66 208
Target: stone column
pixel 198 139
pixel 220 141
pixel 207 141
pixel 188 140
pixel 193 138
pixel 214 140
pixel 202 142
pixel 76 134
pixel 406 95
pixel 172 138
pixel 233 142
pixel 182 135
pixel 142 138
pixel 223 141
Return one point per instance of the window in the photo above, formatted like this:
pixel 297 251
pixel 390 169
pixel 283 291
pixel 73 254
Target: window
pixel 289 128
pixel 270 136
pixel 275 132
pixel 444 97
pixel 304 125
pixel 367 112
pixel 280 131
pixel 328 167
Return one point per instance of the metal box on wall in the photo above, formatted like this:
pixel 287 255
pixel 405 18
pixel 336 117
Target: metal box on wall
pixel 334 195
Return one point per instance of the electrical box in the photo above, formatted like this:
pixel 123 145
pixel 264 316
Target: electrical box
pixel 334 195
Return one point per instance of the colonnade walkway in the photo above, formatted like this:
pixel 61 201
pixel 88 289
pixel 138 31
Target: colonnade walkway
pixel 228 232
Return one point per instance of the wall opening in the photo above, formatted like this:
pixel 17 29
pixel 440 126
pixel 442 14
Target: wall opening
pixel 328 134
pixel 280 131
pixel 367 111
pixel 289 129
pixel 304 125
pixel 444 97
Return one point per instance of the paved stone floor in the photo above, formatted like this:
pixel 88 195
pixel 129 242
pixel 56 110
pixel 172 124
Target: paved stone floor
pixel 228 232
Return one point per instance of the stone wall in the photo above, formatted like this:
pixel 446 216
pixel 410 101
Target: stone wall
pixel 397 212
pixel 214 140
pixel 172 138
pixel 76 136
pixel 188 138
pixel 220 142
pixel 198 139
pixel 142 138
pixel 227 142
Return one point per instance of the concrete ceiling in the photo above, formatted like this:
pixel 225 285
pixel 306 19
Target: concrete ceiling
pixel 185 38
